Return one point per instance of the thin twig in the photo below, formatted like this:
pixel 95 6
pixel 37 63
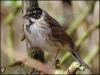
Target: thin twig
pixel 92 29
pixel 81 18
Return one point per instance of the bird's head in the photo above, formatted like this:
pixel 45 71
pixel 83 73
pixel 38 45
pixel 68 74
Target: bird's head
pixel 35 13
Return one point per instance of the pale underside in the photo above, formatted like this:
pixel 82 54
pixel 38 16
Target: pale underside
pixel 39 35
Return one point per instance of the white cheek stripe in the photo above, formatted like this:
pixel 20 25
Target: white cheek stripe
pixel 37 38
pixel 33 20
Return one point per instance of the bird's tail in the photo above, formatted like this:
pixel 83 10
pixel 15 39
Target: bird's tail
pixel 76 55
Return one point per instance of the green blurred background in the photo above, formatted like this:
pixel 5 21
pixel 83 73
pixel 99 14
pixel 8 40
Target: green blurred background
pixel 80 19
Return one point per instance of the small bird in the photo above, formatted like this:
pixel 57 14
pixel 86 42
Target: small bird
pixel 44 32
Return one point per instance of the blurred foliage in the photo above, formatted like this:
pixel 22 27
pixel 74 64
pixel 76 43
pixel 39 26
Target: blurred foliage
pixel 78 16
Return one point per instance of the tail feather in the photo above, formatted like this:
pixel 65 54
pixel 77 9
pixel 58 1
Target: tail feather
pixel 76 55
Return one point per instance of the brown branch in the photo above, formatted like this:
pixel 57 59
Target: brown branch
pixel 72 69
pixel 20 56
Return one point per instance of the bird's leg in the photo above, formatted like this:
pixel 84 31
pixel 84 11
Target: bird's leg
pixel 53 60
pixel 57 60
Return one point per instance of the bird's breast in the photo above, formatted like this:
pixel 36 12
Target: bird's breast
pixel 40 35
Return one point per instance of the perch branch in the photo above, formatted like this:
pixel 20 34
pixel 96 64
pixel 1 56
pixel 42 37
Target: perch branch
pixel 40 66
pixel 75 66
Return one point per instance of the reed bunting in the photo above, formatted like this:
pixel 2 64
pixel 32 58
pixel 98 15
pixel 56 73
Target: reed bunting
pixel 44 33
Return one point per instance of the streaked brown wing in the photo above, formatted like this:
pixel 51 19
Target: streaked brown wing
pixel 58 32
